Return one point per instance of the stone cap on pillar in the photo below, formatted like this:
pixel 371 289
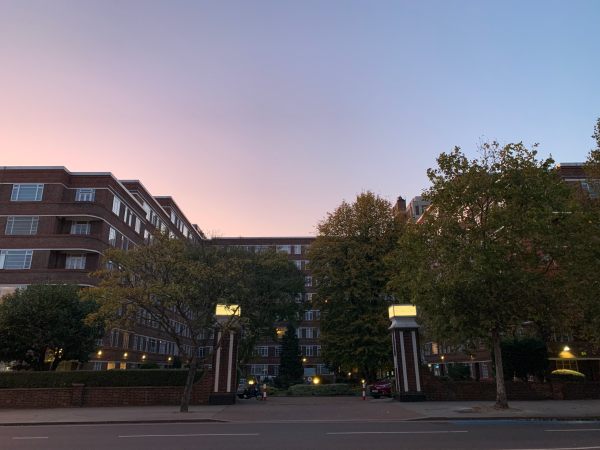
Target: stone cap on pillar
pixel 403 316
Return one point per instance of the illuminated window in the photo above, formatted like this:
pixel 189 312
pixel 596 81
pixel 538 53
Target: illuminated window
pixel 28 192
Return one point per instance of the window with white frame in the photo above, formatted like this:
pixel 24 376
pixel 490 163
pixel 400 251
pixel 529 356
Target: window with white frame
pixel 298 249
pixel 15 259
pixel 259 369
pixel 138 225
pixel 308 281
pixel 261 350
pixel 112 237
pixel 85 195
pixel 75 262
pixel 80 228
pixel 27 192
pixel 22 225
pixel 278 350
pixel 298 264
pixel 116 208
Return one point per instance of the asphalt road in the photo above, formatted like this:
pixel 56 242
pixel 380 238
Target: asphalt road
pixel 471 435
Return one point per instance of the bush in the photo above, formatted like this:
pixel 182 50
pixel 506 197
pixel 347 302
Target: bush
pixel 108 378
pixel 458 372
pixel 303 390
pixel 567 375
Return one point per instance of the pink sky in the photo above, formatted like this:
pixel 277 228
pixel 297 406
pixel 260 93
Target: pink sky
pixel 259 117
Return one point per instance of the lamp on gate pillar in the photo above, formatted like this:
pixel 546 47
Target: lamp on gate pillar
pixel 407 360
pixel 224 363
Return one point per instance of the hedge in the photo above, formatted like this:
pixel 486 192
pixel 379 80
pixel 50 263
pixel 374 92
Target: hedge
pixel 107 378
pixel 320 389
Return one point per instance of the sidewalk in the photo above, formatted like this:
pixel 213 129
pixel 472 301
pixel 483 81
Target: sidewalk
pixel 309 409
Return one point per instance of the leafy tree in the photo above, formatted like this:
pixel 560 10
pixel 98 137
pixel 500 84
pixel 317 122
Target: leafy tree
pixel 291 370
pixel 46 320
pixel 170 279
pixel 523 357
pixel 348 262
pixel 484 260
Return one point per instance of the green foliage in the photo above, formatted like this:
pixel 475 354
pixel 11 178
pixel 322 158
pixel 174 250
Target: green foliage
pixel 348 262
pixel 306 390
pixel 106 378
pixel 290 366
pixel 484 260
pixel 46 320
pixel 523 357
pixel 457 372
pixel 567 375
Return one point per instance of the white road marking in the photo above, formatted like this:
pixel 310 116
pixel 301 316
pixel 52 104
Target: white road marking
pixel 568 430
pixel 187 435
pixel 399 432
pixel 29 437
pixel 555 448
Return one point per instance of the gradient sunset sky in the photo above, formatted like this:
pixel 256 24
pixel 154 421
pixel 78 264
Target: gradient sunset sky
pixel 260 116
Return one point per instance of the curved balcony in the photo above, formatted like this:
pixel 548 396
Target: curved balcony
pixel 84 242
pixel 34 276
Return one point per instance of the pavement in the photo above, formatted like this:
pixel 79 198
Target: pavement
pixel 309 409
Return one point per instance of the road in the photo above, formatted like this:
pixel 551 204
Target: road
pixel 290 435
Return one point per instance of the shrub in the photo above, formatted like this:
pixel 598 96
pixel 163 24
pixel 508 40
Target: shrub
pixel 319 389
pixel 567 375
pixel 108 378
pixel 457 372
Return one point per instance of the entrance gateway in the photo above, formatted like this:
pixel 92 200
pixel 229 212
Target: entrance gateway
pixel 407 357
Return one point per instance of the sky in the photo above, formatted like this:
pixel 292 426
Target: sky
pixel 260 116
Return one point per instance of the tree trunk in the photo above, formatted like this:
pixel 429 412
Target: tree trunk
pixel 55 364
pixel 501 400
pixel 189 384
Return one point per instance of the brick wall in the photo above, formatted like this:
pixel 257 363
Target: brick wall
pixel 441 390
pixel 79 395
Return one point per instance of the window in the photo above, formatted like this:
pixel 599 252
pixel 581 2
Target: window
pixel 112 237
pixel 298 249
pixel 284 249
pixel 22 225
pixel 29 192
pixel 262 351
pixel 138 225
pixel 80 228
pixel 75 262
pixel 259 369
pixel 307 281
pixel 116 205
pixel 15 259
pixel 85 195
pixel 298 264
pixel 278 350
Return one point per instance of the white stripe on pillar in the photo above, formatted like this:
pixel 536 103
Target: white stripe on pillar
pixel 403 361
pixel 218 362
pixel 414 342
pixel 229 368
pixel 396 371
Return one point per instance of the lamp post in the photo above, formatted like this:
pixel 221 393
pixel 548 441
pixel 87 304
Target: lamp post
pixel 407 360
pixel 225 357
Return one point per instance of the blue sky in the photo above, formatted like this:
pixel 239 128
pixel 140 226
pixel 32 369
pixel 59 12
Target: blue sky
pixel 261 116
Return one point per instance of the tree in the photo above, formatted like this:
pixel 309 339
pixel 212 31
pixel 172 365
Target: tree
pixel 523 357
pixel 348 263
pixel 484 260
pixel 46 320
pixel 291 370
pixel 176 282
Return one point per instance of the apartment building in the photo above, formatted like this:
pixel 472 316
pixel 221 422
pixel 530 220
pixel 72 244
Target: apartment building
pixel 54 227
pixel 265 363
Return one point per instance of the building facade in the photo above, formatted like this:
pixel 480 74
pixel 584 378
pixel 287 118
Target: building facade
pixel 265 363
pixel 55 226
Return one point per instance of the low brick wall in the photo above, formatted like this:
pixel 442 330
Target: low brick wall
pixel 442 390
pixel 79 395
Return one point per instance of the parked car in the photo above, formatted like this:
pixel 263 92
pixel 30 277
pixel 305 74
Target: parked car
pixel 381 388
pixel 248 389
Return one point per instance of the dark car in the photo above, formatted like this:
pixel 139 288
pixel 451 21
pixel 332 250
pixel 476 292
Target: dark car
pixel 381 388
pixel 248 389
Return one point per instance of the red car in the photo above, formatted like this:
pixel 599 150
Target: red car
pixel 381 388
